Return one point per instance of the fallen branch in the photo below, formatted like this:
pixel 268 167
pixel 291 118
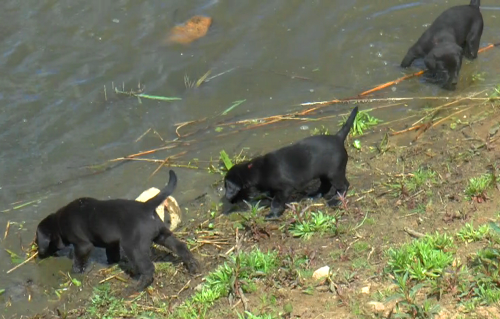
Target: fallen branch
pixel 413 233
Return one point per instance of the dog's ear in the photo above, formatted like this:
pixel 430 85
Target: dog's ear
pixel 430 61
pixel 232 189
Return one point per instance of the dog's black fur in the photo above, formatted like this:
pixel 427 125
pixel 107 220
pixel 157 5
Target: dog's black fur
pixel 87 223
pixel 455 33
pixel 290 168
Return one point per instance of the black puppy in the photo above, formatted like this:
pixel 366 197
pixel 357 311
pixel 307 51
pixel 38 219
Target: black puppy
pixel 456 32
pixel 87 223
pixel 290 168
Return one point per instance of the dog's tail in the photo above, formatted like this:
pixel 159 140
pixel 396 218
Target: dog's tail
pixel 344 131
pixel 164 193
pixel 475 3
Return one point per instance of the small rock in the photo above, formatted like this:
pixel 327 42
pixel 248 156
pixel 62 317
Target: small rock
pixel 322 288
pixel 321 273
pixel 199 287
pixel 376 306
pixel 366 290
pixel 443 314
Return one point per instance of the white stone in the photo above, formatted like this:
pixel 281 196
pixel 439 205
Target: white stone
pixel 321 273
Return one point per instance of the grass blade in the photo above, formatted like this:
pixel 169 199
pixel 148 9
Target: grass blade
pixel 159 98
pixel 235 104
pixel 203 78
pixel 225 158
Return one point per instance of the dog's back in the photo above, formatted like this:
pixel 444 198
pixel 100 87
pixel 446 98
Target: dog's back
pixel 452 25
pixel 310 157
pixel 107 221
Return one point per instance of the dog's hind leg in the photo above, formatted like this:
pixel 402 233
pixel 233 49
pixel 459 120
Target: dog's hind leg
pixel 113 253
pixel 473 40
pixel 341 186
pixel 138 255
pixel 81 256
pixel 167 239
pixel 323 189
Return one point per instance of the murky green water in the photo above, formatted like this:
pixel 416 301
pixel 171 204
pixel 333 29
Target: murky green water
pixel 56 57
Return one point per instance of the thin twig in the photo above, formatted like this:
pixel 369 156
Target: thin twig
pixel 113 276
pixel 143 134
pixel 24 262
pixel 6 230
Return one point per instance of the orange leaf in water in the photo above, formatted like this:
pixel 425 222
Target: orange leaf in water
pixel 191 30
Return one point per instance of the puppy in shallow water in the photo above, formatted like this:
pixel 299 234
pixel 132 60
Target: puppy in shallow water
pixel 291 168
pixel 456 32
pixel 87 223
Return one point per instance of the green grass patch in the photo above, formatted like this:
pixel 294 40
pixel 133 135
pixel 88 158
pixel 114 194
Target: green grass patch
pixel 478 185
pixel 469 234
pixel 313 223
pixel 483 287
pixel 103 304
pixel 249 315
pixel 422 177
pixel 242 268
pixel 423 258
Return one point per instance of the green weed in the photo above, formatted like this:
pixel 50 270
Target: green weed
pixel 478 185
pixel 468 234
pixel 423 258
pixel 406 296
pixel 313 222
pixel 320 131
pixel 226 162
pixel 415 181
pixel 362 122
pixel 420 178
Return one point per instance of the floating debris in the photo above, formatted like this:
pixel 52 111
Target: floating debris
pixel 193 29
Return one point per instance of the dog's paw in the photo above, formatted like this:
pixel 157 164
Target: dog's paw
pixel 193 266
pixel 272 216
pixel 78 269
pixel 314 195
pixel 334 202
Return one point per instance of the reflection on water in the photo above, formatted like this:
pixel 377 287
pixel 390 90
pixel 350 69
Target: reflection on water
pixel 57 58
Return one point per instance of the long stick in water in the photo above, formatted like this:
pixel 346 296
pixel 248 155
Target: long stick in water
pixel 391 83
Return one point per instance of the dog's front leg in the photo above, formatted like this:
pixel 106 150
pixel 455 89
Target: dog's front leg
pixel 278 204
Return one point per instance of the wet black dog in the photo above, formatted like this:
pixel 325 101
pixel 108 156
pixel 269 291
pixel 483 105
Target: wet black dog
pixel 456 32
pixel 290 168
pixel 87 223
